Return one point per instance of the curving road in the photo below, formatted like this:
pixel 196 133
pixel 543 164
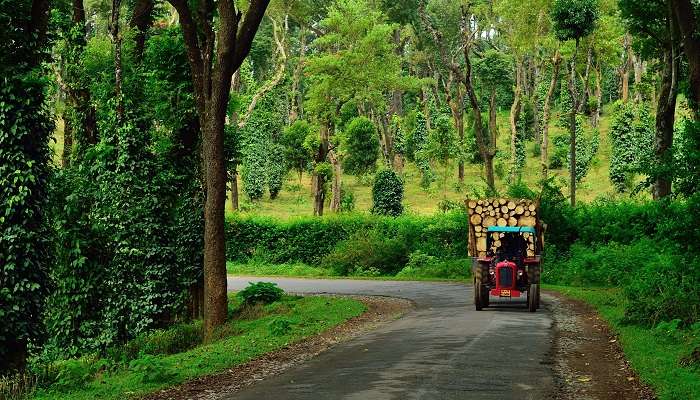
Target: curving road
pixel 441 350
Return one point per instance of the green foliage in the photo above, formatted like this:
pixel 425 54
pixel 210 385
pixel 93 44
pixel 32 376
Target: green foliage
pixel 298 155
pixel 368 252
pixel 280 326
pixel 415 146
pixel 399 142
pixel 262 156
pixel 260 292
pixel 586 149
pixel 361 146
pixel 574 19
pixel 441 145
pixel 307 240
pixel 421 265
pixel 276 169
pixel 687 158
pixel 151 369
pixel 387 193
pixel 347 199
pixel 25 127
pixel 632 134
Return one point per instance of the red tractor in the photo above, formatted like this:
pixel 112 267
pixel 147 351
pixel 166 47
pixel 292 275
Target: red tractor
pixel 510 269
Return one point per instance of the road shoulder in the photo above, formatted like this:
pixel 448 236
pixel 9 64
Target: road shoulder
pixel 588 360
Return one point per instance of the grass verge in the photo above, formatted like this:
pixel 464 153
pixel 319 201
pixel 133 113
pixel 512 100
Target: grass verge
pixel 300 270
pixel 657 354
pixel 248 335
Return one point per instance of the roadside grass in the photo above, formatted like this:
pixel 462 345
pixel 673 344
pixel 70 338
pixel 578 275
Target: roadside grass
pixel 251 333
pixel 655 353
pixel 444 271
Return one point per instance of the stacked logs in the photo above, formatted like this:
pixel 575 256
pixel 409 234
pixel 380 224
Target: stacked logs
pixel 499 212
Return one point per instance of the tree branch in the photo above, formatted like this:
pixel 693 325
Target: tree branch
pixel 280 39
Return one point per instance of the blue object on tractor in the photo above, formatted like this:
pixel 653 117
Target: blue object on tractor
pixel 516 229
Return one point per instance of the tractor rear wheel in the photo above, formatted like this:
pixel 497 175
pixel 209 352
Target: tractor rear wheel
pixel 533 297
pixel 481 292
pixel 477 295
pixel 535 279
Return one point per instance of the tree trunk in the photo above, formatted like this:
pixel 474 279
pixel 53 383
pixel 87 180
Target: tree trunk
pixel 214 54
pixel 685 17
pixel 665 117
pixel 117 42
pixel 514 116
pixel 625 69
pixel 598 94
pixel 572 127
pixel 583 106
pixel 544 144
pixel 234 191
pixel 493 129
pixel 295 94
pixel 319 180
pixel 397 95
pixel 141 20
pixel 335 188
pixel 84 126
pixel 638 66
pixel 67 141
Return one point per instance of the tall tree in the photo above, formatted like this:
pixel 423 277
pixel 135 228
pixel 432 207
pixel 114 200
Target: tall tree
pixel 573 20
pixel 25 128
pixel 656 29
pixel 685 14
pixel 215 49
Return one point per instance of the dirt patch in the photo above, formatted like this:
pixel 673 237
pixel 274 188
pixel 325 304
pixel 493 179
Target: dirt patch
pixel 379 310
pixel 588 360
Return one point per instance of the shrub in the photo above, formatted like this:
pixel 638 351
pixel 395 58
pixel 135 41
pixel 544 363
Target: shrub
pixel 368 252
pixel 307 239
pixel 260 292
pixel 176 339
pixel 152 369
pixel 280 326
pixel 362 145
pixel 387 193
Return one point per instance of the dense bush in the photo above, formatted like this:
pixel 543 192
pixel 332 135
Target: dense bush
pixel 260 292
pixel 368 253
pixel 387 193
pixel 362 146
pixel 25 128
pixel 308 239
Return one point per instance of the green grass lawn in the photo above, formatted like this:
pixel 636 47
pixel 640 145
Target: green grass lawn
pixel 244 338
pixel 295 198
pixel 654 353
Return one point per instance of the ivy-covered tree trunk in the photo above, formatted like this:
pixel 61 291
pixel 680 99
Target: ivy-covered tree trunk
pixel 625 68
pixel 25 128
pixel 595 118
pixel 544 143
pixel 319 183
pixel 572 127
pixel 514 116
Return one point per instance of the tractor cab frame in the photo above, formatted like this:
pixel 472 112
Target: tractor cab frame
pixel 508 270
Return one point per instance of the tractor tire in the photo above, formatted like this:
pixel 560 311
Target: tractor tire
pixel 533 297
pixel 481 292
pixel 477 295
pixel 535 279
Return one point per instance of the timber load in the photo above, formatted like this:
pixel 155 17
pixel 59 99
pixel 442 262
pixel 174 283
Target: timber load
pixel 484 213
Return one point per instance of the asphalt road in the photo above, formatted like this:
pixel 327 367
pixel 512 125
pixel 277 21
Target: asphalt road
pixel 444 349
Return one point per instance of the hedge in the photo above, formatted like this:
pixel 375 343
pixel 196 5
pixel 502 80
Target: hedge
pixel 309 239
